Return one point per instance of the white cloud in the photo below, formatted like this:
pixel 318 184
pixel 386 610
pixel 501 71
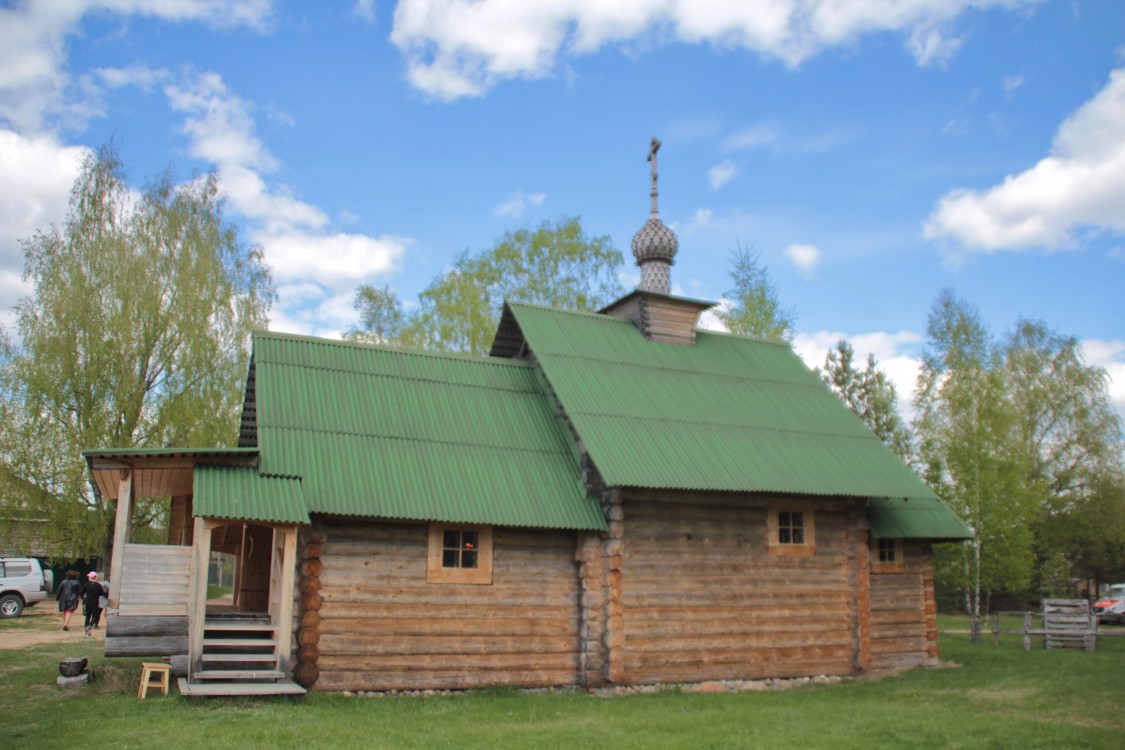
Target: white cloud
pixel 1077 187
pixel 302 250
pixel 36 174
pixel 1012 84
pixel 457 48
pixel 806 258
pixel 515 204
pixel 364 10
pixel 336 261
pixel 721 174
pixel 702 217
pixel 1109 355
pixel 955 127
pixel 751 138
pixel 34 83
pixel 893 354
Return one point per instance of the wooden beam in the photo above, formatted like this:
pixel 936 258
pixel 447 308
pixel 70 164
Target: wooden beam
pixel 285 553
pixel 197 593
pixel 121 527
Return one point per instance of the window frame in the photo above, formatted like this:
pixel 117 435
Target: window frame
pixel 897 565
pixel 436 572
pixel 777 548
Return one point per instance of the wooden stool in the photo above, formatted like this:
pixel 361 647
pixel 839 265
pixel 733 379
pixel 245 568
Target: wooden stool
pixel 148 669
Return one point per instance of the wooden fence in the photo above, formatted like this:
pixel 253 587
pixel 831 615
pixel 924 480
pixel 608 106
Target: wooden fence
pixel 1066 623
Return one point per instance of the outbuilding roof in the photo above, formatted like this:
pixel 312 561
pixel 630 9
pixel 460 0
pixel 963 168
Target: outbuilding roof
pixel 383 432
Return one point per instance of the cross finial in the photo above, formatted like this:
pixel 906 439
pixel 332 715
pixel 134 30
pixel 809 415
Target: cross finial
pixel 654 146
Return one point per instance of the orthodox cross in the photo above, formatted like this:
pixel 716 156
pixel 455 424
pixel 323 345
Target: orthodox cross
pixel 652 149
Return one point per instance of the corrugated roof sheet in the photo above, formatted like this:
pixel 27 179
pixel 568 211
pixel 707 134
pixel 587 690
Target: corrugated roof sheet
pixel 916 518
pixel 242 493
pixel 729 413
pixel 383 432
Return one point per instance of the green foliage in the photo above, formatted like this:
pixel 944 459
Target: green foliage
pixel 755 309
pixel 380 315
pixel 870 394
pixel 553 264
pixel 1021 439
pixel 970 452
pixel 137 334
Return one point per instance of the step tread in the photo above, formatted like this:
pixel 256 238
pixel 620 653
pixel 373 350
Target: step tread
pixel 203 689
pixel 239 657
pixel 239 626
pixel 256 642
pixel 240 674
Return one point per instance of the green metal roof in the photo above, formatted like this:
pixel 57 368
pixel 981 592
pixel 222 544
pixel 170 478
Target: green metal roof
pixel 242 493
pixel 728 414
pixel 916 518
pixel 391 433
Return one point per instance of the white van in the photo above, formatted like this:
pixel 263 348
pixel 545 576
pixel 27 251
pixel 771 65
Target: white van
pixel 21 585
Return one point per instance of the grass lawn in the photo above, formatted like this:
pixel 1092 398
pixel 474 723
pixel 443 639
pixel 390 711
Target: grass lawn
pixel 995 697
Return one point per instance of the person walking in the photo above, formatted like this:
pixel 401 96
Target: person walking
pixel 103 602
pixel 70 591
pixel 90 601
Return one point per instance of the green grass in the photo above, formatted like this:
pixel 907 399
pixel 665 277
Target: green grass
pixel 214 592
pixel 988 697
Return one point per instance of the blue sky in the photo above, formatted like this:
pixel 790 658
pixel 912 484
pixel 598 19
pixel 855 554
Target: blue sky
pixel 873 151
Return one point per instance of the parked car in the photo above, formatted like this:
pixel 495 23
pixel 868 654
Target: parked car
pixel 22 584
pixel 1111 607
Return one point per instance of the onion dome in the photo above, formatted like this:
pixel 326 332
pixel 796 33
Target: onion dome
pixel 655 245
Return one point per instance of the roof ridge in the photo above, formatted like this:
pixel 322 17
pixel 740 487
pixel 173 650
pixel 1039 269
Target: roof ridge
pixel 741 337
pixel 592 314
pixel 534 391
pixel 467 357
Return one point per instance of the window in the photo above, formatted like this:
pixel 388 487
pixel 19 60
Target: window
pixel 791 529
pixel 886 556
pixel 459 554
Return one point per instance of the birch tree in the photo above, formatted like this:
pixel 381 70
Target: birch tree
pixel 554 264
pixel 968 443
pixel 136 334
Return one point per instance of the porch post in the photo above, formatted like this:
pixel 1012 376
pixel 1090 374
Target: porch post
pixel 281 591
pixel 197 594
pixel 122 524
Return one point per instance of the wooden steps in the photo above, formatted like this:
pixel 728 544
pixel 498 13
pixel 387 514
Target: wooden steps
pixel 240 657
pixel 235 689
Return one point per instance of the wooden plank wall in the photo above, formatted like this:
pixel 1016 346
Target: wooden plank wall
pixel 151 619
pixel 155 580
pixel 704 600
pixel 903 612
pixel 382 627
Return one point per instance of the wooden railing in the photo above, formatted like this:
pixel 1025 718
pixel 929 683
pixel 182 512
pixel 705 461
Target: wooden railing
pixel 154 580
pixel 1066 623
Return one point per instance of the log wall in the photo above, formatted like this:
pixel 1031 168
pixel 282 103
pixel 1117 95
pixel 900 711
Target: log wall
pixel 380 626
pixel 903 611
pixel 704 600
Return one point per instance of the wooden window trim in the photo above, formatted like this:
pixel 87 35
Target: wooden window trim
pixel 899 564
pixel 480 575
pixel 788 549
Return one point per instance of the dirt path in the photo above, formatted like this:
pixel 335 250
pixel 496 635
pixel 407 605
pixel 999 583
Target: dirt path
pixel 43 624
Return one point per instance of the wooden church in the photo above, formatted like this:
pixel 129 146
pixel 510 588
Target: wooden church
pixel 609 498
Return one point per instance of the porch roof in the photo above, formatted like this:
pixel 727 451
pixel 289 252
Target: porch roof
pixel 159 472
pixel 240 492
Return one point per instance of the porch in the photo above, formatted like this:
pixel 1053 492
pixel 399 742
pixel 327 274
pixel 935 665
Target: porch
pixel 229 640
